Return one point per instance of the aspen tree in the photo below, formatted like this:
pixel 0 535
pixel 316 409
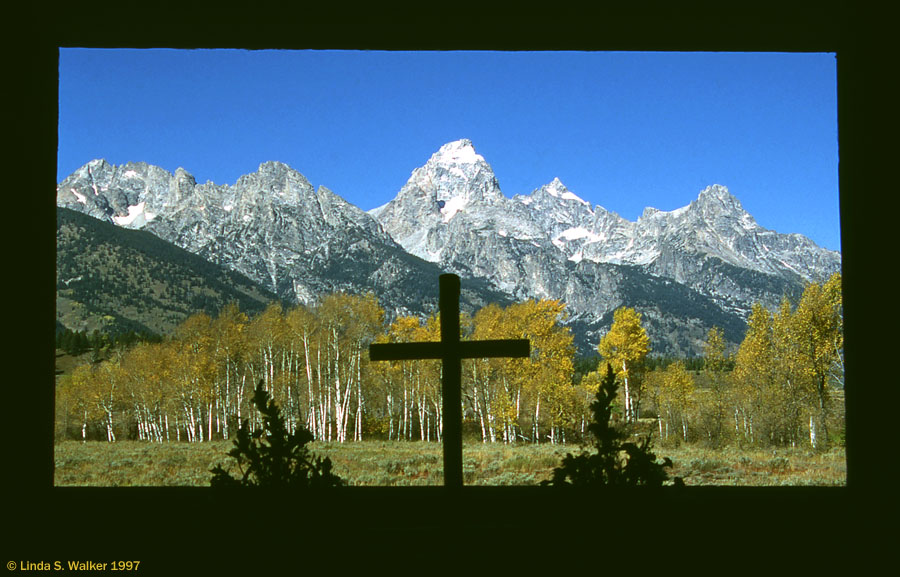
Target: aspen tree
pixel 487 325
pixel 624 347
pixel 77 388
pixel 818 332
pixel 784 398
pixel 303 327
pixel 753 374
pixel 676 395
pixel 714 366
pixel 229 330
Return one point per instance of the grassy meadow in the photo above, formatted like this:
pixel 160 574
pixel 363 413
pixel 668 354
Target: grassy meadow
pixel 393 463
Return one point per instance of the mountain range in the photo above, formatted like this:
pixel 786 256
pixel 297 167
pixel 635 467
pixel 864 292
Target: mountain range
pixel 686 270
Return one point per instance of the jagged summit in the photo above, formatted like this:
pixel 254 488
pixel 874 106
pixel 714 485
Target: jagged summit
pixel 457 152
pixel 695 266
pixel 559 190
pixel 718 195
pixel 454 181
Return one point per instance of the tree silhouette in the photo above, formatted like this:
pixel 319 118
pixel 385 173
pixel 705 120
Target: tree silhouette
pixel 272 457
pixel 616 463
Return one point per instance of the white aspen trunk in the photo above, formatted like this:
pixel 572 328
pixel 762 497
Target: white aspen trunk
pixel 476 405
pixel 329 415
pixel 627 394
pixel 84 428
pixel 438 418
pixel 390 410
pixel 420 397
pixel 812 432
pixel 422 418
pixel 193 425
pixel 484 435
pixel 325 396
pixel 110 435
pixel 518 408
pixel 167 426
pixel 684 427
pixel 348 390
pixel 357 434
pixel 338 401
pixel 405 411
pixel 491 424
pixel 659 423
pixel 209 415
pixel 227 396
pixel 240 395
pixel 310 410
pixel 536 424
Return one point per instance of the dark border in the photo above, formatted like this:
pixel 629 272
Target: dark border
pixel 198 530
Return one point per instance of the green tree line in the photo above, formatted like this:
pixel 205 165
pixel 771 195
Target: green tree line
pixel 313 361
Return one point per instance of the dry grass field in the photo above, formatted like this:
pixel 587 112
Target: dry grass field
pixel 391 463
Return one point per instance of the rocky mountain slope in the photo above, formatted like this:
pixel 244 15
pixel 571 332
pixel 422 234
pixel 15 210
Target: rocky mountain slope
pixel 272 227
pixel 686 270
pixel 116 280
pixel 553 244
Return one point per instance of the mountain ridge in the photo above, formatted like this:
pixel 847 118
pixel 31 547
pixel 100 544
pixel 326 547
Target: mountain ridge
pixel 452 216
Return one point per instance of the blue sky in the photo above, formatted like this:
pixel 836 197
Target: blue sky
pixel 624 130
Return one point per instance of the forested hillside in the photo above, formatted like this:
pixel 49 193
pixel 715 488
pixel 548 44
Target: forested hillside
pixel 118 280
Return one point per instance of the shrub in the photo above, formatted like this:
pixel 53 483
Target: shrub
pixel 615 463
pixel 280 459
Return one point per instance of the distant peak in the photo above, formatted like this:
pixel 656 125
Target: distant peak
pixel 556 185
pixel 273 166
pixel 558 190
pixel 458 151
pixel 717 192
pixel 181 173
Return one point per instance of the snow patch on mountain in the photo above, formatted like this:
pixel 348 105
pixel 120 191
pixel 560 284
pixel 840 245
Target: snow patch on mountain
pixel 460 151
pixel 137 216
pixel 81 198
pixel 452 206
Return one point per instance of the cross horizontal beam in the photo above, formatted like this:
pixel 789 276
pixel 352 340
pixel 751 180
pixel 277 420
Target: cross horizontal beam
pixel 517 348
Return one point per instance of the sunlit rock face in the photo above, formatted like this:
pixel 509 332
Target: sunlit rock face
pixel 271 225
pixel 690 268
pixel 686 270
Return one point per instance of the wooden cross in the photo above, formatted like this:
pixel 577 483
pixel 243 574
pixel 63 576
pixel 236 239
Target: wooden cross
pixel 451 351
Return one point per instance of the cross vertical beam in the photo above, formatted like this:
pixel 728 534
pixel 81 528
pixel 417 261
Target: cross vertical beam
pixel 451 380
pixel 451 351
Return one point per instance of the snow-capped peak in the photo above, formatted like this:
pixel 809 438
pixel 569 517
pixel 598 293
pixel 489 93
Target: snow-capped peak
pixel 458 152
pixel 558 190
